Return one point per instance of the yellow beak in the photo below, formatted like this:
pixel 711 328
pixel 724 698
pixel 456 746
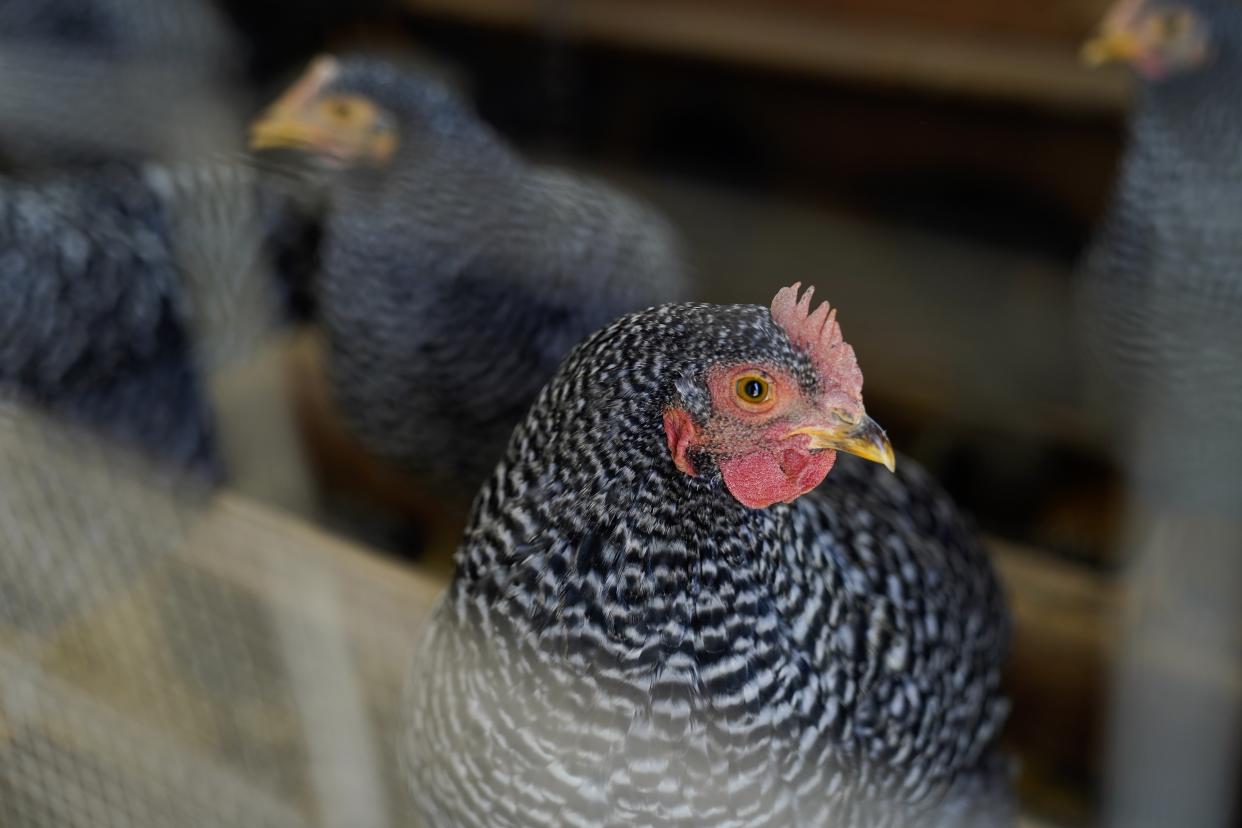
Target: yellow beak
pixel 285 123
pixel 863 438
pixel 1110 47
pixel 281 131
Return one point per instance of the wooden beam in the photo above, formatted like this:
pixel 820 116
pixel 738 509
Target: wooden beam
pixel 1007 68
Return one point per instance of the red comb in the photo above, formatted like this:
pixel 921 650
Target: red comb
pixel 819 335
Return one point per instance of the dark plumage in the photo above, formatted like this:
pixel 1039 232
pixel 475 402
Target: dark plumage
pixel 626 643
pixel 121 287
pixel 456 275
pixel 1161 289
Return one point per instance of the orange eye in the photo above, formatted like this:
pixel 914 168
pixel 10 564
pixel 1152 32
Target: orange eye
pixel 1173 24
pixel 343 110
pixel 753 389
pixel 1165 25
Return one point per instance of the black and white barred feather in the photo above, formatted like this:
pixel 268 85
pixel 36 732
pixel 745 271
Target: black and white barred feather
pixel 624 644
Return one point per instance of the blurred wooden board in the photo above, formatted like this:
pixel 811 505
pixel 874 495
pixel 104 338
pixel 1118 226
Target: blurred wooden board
pixel 248 672
pixel 1055 20
pixel 821 41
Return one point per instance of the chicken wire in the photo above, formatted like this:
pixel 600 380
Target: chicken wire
pixel 162 666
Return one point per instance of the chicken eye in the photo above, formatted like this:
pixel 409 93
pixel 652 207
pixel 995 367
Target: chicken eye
pixel 341 110
pixel 1173 24
pixel 753 389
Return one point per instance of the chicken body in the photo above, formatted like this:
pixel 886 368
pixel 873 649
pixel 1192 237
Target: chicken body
pixel 627 644
pixel 1161 288
pixel 122 287
pixel 1162 311
pixel 456 277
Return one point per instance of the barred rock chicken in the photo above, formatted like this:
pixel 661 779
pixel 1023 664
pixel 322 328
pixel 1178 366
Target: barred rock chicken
pixel 121 287
pixel 455 275
pixel 1162 286
pixel 660 617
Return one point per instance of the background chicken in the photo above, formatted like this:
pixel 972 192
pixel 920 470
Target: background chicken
pixel 455 274
pixel 1161 289
pixel 1161 295
pixel 650 623
pixel 125 288
pixel 139 245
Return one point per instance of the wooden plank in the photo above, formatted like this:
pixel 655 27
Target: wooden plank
pixel 1063 646
pixel 254 548
pixel 1064 20
pixel 1007 68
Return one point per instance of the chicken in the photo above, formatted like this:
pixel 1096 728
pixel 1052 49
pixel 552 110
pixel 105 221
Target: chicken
pixel 1161 301
pixel 660 617
pixel 455 274
pixel 1161 287
pixel 122 287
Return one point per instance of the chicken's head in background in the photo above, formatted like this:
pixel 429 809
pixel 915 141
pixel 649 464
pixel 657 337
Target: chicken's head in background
pixel 1159 38
pixel 338 126
pixel 772 429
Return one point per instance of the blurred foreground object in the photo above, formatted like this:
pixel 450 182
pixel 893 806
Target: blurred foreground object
pixel 1162 314
pixel 456 275
pixel 645 628
pixel 172 656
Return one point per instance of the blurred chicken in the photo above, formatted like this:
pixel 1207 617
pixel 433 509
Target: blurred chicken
pixel 456 275
pixel 1161 296
pixel 122 287
pixel 1161 289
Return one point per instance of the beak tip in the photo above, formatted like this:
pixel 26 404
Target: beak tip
pixel 865 439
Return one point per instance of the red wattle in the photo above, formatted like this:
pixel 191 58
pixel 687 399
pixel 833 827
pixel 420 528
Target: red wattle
pixel 761 478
